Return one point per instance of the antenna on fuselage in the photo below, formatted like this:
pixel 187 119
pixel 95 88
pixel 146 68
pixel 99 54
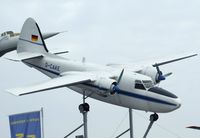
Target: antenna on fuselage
pixel 83 60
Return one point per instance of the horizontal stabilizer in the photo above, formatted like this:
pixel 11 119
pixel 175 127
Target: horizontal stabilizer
pixel 23 56
pixel 48 35
pixel 60 52
pixel 27 55
pixel 68 80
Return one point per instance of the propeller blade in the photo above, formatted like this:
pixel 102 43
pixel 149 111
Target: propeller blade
pixel 120 76
pixel 116 86
pixel 168 74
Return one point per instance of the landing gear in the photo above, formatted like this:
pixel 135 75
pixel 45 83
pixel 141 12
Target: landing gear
pixel 153 117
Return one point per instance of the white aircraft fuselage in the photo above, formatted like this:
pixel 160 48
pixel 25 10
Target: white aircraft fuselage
pixel 127 96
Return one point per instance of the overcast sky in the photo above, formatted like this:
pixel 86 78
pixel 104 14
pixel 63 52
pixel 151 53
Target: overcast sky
pixel 107 31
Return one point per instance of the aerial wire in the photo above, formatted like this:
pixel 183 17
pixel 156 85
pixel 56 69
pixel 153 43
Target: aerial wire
pixel 119 125
pixel 160 126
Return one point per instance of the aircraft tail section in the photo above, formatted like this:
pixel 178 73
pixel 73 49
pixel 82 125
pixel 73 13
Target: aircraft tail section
pixel 31 40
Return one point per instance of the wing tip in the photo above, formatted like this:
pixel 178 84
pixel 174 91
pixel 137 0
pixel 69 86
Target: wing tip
pixel 12 92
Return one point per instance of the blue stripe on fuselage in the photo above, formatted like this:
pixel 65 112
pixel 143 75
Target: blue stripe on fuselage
pixel 50 71
pixel 119 91
pixel 134 95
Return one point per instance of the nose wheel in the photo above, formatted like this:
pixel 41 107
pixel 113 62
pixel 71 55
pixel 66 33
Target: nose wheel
pixel 153 117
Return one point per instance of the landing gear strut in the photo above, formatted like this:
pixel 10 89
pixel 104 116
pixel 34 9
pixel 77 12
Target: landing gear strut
pixel 153 117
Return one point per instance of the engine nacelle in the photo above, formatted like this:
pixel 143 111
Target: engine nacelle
pixel 151 72
pixel 107 84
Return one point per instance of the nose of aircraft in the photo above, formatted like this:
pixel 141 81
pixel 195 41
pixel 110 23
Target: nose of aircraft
pixel 172 102
pixel 178 103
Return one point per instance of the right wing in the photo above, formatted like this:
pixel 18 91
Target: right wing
pixel 173 60
pixel 68 80
pixel 139 66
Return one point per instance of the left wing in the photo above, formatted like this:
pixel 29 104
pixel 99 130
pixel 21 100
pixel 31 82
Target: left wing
pixel 69 79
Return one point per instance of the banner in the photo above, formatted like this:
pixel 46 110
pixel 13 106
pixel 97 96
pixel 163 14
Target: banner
pixel 25 125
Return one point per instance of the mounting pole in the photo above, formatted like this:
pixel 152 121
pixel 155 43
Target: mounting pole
pixel 84 108
pixel 153 118
pixel 85 118
pixel 73 131
pixel 130 125
pixel 131 122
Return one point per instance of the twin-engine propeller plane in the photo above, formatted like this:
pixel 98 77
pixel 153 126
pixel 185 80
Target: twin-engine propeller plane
pixel 9 39
pixel 116 84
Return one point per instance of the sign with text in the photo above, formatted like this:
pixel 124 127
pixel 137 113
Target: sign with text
pixel 25 125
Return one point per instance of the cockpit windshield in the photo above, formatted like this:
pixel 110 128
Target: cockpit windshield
pixel 148 83
pixel 139 85
pixel 144 84
pixel 161 91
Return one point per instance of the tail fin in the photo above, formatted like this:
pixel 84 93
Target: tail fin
pixel 30 39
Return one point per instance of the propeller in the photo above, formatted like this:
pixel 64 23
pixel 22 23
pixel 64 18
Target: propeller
pixel 116 85
pixel 160 76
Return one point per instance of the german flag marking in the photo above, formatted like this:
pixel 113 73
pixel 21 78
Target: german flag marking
pixel 34 38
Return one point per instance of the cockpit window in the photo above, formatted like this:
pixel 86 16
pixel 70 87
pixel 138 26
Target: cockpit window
pixel 161 91
pixel 148 83
pixel 139 85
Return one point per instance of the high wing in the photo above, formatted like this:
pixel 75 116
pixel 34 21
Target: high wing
pixel 173 60
pixel 138 66
pixel 69 79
